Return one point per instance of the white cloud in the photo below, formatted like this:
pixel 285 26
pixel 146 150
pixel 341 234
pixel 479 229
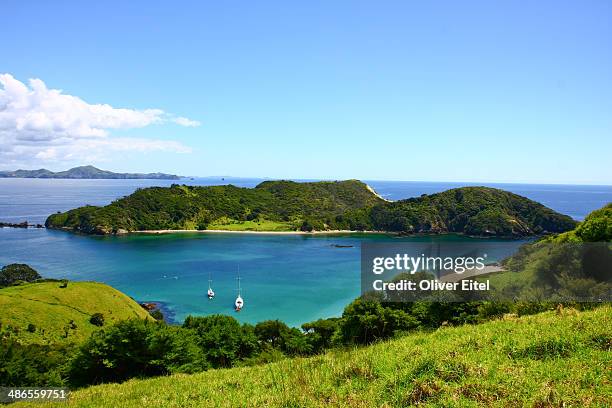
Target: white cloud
pixel 41 124
pixel 186 122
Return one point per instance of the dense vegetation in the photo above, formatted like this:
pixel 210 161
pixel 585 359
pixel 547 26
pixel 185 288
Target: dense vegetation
pixel 286 205
pixel 17 273
pixel 470 210
pixel 573 265
pixel 558 358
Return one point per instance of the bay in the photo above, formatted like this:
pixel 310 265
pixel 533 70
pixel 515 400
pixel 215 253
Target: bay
pixel 294 278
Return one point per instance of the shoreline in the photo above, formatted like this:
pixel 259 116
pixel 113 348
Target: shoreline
pixel 217 231
pixel 327 232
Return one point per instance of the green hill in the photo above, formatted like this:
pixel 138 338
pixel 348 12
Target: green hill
pixel 557 358
pixel 574 265
pixel 290 206
pixel 56 314
pixel 470 210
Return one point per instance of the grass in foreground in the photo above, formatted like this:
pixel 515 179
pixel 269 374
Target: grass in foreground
pixel 51 309
pixel 553 359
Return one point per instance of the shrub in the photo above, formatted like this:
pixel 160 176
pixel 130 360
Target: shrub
pixel 135 348
pixel 33 365
pixel 14 273
pixel 157 315
pixel 222 339
pixel 97 319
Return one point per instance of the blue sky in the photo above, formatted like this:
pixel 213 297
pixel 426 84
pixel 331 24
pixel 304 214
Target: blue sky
pixel 513 91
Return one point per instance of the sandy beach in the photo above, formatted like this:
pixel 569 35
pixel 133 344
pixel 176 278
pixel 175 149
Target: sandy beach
pixel 330 232
pixel 454 277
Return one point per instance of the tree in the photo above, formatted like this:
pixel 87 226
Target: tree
pixel 597 226
pixel 221 338
pixel 320 332
pixel 306 226
pixel 135 348
pixel 295 343
pixel 365 321
pixel 362 322
pixel 33 365
pixel 270 331
pixel 13 273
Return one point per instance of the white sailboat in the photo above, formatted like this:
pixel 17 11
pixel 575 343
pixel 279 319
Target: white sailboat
pixel 239 303
pixel 210 293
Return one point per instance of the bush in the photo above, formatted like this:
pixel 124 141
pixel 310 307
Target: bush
pixel 157 315
pixel 488 310
pixel 365 321
pixel 33 365
pixel 320 333
pixel 135 348
pixel 14 273
pixel 306 226
pixel 221 339
pixel 271 331
pixel 97 319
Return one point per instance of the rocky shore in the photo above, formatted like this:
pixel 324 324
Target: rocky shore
pixel 20 225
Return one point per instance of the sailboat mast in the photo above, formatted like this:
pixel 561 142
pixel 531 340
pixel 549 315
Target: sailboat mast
pixel 238 280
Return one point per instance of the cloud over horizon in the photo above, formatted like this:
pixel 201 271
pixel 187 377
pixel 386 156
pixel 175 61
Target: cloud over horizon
pixel 38 124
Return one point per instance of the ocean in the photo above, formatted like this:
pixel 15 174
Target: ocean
pixel 294 278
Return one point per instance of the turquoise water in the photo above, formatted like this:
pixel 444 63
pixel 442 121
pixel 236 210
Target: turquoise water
pixel 295 278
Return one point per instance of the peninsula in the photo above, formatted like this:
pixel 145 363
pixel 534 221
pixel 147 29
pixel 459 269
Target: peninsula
pixel 349 205
pixel 84 172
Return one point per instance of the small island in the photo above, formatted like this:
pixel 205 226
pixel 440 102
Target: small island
pixel 84 172
pixel 326 206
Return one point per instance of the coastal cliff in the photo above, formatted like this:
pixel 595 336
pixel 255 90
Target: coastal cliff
pixel 315 206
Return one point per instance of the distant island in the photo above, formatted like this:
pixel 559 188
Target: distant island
pixel 287 206
pixel 84 172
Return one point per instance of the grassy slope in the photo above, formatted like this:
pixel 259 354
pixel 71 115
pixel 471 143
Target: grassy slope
pixel 259 225
pixel 51 308
pixel 550 359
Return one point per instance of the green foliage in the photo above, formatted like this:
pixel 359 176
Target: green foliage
pixel 287 205
pixel 135 348
pixel 320 333
pixel 271 331
pixel 479 211
pixel 222 340
pixel 276 334
pixel 15 273
pixel 189 207
pixel 33 365
pixel 365 321
pixel 597 226
pixel 570 265
pixel 157 315
pixel 97 319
